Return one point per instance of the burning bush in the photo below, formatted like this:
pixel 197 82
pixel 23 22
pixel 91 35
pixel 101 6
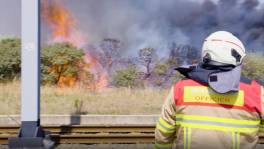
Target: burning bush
pixel 59 64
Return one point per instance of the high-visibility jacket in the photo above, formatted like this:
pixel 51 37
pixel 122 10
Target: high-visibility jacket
pixel 195 117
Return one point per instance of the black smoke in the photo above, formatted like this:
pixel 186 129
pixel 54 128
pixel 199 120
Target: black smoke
pixel 160 23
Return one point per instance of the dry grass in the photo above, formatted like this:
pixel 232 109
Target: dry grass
pixel 79 100
pixel 10 98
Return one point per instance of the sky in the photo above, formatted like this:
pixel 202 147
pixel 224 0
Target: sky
pixel 10 17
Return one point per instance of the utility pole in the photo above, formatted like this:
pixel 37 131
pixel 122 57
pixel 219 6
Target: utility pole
pixel 31 135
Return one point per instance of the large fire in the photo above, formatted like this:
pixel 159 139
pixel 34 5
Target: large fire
pixel 64 29
pixel 95 68
pixel 62 23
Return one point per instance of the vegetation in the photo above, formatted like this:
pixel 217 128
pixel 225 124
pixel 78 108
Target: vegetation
pixel 126 77
pixel 60 61
pixel 161 69
pixel 57 61
pixel 78 100
pixel 10 59
pixel 253 67
pixel 111 53
pixel 63 64
pixel 147 57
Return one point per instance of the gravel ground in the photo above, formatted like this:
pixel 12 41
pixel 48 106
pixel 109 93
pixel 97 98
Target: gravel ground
pixel 109 146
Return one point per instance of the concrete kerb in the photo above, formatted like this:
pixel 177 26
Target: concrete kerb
pixel 85 119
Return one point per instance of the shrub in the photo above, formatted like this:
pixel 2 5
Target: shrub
pixel 161 69
pixel 125 77
pixel 10 59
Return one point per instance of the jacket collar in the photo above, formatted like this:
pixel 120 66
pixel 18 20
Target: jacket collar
pixel 221 79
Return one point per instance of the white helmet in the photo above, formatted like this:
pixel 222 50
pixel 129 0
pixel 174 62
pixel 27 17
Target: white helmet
pixel 224 48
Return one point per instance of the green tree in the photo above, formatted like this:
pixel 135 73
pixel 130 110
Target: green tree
pixel 126 77
pixel 253 67
pixel 10 59
pixel 60 60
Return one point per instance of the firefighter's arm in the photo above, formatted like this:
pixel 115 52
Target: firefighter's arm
pixel 165 127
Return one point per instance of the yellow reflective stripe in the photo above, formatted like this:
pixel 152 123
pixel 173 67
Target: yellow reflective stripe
pixel 236 140
pixel 216 119
pixel 160 128
pixel 164 127
pixel 166 124
pixel 219 128
pixel 189 136
pixel 163 145
pixel 186 138
pixel 221 124
pixel 261 128
pixel 233 140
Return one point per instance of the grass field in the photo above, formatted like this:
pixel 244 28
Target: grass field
pixel 78 100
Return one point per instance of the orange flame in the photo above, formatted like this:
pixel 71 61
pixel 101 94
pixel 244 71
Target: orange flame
pixel 62 23
pixel 67 81
pixel 98 70
pixel 64 29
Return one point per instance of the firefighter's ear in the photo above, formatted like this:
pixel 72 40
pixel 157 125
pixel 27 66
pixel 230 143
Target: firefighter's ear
pixel 207 58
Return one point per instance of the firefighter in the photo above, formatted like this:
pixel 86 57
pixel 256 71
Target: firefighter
pixel 214 107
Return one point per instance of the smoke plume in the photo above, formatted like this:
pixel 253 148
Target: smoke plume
pixel 158 23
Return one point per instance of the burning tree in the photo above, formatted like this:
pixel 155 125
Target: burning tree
pixel 59 64
pixel 64 29
pixel 146 57
pixel 98 74
pixel 111 52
